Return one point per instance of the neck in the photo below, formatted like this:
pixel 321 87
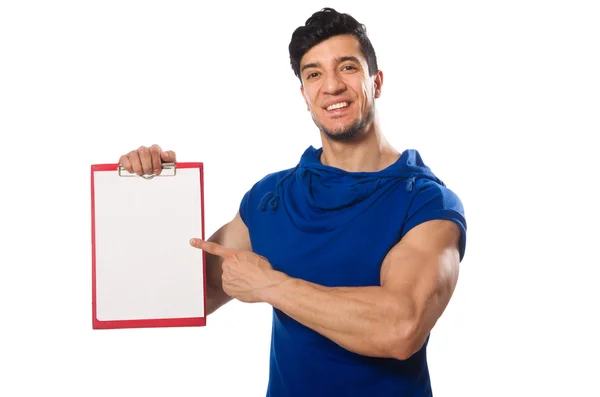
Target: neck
pixel 367 152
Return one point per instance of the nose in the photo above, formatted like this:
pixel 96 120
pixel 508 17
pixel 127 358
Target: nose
pixel 333 84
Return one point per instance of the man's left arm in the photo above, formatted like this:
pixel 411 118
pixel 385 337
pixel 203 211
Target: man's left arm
pixel 418 277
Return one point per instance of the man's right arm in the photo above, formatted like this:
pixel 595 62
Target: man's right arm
pixel 234 234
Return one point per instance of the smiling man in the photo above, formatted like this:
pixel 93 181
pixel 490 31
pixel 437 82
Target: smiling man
pixel 356 248
pixel 338 89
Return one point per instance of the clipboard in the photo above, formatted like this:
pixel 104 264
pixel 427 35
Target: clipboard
pixel 144 271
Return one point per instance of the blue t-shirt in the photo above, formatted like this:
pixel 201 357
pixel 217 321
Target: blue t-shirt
pixel 334 228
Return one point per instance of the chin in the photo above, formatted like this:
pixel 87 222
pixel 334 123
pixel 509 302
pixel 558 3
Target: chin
pixel 347 132
pixel 340 135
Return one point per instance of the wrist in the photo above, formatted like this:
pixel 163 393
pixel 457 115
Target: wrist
pixel 271 293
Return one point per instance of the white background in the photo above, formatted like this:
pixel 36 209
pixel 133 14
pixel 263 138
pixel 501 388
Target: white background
pixel 502 99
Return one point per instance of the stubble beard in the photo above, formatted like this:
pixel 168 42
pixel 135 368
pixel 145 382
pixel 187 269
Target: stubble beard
pixel 350 132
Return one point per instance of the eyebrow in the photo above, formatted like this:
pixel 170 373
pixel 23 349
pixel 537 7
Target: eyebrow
pixel 338 60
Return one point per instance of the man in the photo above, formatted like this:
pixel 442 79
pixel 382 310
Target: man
pixel 357 248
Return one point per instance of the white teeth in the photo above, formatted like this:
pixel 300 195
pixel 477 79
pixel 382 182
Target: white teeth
pixel 337 105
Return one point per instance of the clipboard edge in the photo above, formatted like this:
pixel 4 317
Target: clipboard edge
pixel 115 166
pixel 149 323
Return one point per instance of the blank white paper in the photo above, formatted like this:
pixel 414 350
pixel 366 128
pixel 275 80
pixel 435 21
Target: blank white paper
pixel 145 266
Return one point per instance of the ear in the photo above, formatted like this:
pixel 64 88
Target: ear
pixel 304 97
pixel 378 83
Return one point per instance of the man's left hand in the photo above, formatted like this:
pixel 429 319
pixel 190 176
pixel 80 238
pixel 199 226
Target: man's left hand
pixel 246 275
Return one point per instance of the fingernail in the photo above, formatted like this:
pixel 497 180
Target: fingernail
pixel 193 241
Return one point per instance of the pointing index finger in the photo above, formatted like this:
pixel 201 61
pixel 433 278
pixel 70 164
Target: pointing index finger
pixel 212 248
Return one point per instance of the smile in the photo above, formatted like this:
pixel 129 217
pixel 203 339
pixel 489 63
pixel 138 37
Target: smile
pixel 338 105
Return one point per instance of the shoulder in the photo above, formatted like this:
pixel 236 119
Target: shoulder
pixel 432 199
pixel 433 194
pixel 427 191
pixel 259 190
pixel 266 184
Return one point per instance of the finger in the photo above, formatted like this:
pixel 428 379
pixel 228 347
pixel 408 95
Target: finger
pixel 136 164
pixel 155 159
pixel 125 163
pixel 145 159
pixel 226 270
pixel 168 156
pixel 212 248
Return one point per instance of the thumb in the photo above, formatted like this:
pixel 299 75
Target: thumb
pixel 168 156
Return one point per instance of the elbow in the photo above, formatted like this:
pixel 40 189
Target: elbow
pixel 402 342
pixel 403 352
pixel 402 332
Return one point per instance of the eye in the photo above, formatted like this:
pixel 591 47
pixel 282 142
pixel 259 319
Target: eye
pixel 312 75
pixel 348 67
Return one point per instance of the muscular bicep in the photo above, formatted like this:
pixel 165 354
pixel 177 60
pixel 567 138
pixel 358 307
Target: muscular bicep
pixel 234 234
pixel 421 271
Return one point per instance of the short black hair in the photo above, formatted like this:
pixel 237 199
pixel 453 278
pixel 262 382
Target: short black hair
pixel 321 26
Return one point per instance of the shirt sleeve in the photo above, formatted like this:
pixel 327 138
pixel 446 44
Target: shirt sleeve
pixel 244 208
pixel 252 198
pixel 435 201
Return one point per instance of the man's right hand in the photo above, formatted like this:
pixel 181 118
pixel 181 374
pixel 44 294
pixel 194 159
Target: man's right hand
pixel 146 160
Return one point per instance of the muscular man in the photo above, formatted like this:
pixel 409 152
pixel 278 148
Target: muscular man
pixel 356 248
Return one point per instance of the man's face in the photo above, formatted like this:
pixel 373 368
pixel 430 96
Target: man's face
pixel 337 87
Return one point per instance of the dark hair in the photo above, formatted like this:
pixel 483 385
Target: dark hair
pixel 323 25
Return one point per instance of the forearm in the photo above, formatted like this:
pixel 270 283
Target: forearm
pixel 215 295
pixel 365 320
pixel 233 234
pixel 215 298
